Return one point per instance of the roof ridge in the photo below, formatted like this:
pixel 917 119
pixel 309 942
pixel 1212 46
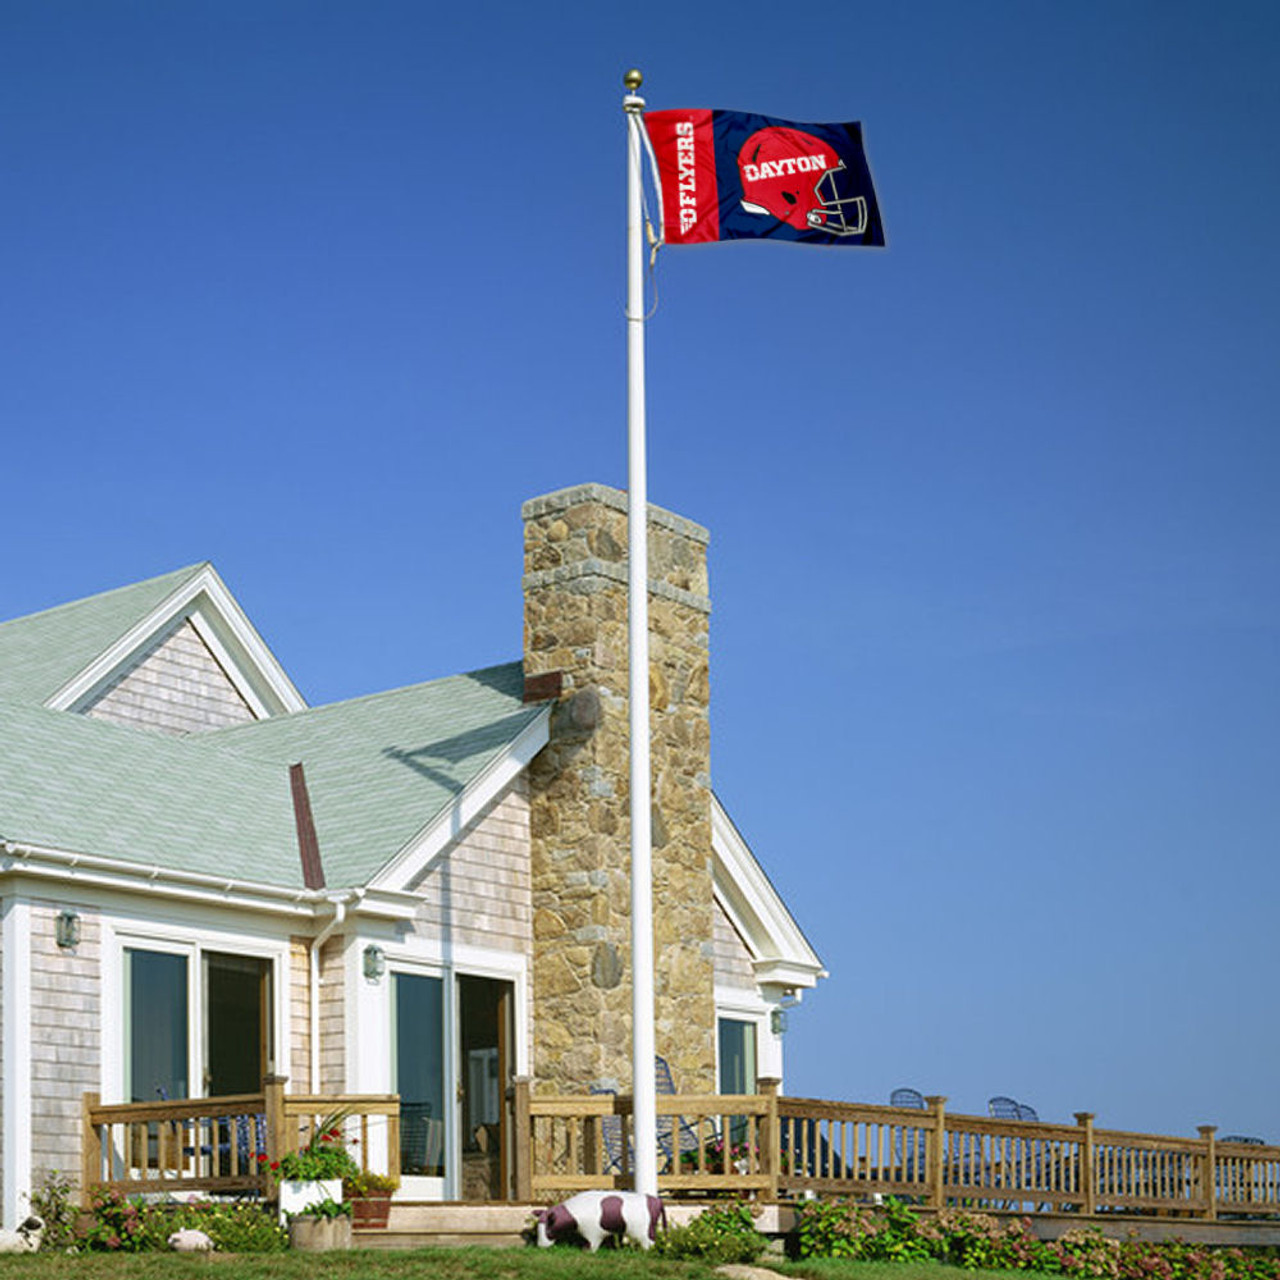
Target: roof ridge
pixel 177 575
pixel 293 717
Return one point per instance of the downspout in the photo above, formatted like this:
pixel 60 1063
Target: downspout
pixel 339 918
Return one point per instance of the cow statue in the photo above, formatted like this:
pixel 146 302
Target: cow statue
pixel 595 1214
pixel 26 1239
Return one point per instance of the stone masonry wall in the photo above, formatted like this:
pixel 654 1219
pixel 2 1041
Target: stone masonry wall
pixel 576 623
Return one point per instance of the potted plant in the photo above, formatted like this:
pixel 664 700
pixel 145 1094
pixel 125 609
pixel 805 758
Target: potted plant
pixel 314 1175
pixel 323 1225
pixel 370 1197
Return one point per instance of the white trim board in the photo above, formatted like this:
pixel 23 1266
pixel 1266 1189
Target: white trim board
pixel 17 1057
pixel 780 953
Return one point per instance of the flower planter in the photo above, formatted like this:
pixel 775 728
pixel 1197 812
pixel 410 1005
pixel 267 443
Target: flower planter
pixel 372 1210
pixel 314 1235
pixel 298 1197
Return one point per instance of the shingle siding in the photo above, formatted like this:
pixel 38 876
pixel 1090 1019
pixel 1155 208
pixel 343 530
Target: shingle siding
pixel 298 1063
pixel 177 687
pixel 333 1054
pixel 66 1038
pixel 478 894
pixel 733 960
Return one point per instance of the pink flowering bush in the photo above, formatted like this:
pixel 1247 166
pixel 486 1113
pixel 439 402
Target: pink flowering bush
pixel 968 1238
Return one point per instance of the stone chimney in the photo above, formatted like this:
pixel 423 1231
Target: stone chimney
pixel 575 626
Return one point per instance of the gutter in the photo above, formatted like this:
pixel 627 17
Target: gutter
pixel 109 872
pixel 313 963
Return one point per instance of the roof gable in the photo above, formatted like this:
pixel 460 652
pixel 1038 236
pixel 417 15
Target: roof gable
pixel 68 657
pixel 780 953
pixel 41 652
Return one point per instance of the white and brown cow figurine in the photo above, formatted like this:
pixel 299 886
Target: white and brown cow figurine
pixel 593 1215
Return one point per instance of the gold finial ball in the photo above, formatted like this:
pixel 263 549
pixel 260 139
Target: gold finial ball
pixel 632 80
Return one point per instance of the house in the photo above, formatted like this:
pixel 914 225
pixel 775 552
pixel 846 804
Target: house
pixel 207 883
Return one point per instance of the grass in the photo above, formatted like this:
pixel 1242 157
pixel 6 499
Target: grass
pixel 444 1264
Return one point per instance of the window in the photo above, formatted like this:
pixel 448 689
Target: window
pixel 418 1018
pixel 222 1027
pixel 737 1056
pixel 155 995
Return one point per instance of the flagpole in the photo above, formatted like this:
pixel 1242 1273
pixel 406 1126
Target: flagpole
pixel 644 1092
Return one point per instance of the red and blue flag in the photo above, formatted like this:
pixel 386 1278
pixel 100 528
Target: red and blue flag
pixel 731 175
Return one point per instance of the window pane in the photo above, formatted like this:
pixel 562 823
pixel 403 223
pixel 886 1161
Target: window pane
pixel 156 1025
pixel 419 1042
pixel 237 1002
pixel 737 1056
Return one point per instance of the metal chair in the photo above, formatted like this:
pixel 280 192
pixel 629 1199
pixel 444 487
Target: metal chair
pixel 909 1141
pixel 686 1137
pixel 1002 1108
pixel 610 1134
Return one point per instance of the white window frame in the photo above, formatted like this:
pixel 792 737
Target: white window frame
pixel 371 1002
pixel 121 935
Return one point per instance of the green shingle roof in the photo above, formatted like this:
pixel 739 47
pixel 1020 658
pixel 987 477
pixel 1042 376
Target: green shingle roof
pixel 41 652
pixel 84 786
pixel 381 768
pixel 378 770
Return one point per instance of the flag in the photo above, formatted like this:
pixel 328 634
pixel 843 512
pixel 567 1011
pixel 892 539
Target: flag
pixel 730 175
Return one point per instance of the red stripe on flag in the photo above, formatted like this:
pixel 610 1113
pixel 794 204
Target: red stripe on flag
pixel 684 145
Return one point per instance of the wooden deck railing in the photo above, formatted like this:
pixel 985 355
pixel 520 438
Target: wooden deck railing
pixel 225 1145
pixel 785 1147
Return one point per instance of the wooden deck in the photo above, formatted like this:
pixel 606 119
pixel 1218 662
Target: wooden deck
pixel 764 1147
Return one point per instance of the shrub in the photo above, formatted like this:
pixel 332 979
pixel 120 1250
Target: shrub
pixel 53 1201
pixel 968 1238
pixel 721 1234
pixel 121 1225
pixel 235 1226
pixel 834 1229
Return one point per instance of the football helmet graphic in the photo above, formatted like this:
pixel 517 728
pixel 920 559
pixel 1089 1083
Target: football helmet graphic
pixel 800 180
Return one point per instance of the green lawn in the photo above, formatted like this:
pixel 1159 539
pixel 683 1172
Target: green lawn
pixel 440 1264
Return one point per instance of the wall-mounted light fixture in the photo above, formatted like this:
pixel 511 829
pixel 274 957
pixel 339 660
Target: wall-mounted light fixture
pixel 778 1022
pixel 67 929
pixel 375 962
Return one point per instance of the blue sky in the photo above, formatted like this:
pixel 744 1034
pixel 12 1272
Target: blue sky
pixel 322 291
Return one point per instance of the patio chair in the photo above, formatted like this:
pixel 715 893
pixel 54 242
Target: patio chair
pixel 908 1141
pixel 610 1134
pixel 907 1098
pixel 1027 1153
pixel 1244 1140
pixel 686 1135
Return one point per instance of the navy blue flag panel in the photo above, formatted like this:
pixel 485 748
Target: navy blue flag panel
pixel 731 175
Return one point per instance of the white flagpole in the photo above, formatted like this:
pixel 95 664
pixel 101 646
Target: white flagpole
pixel 642 1074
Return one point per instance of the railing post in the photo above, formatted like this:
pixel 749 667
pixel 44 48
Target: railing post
pixel 771 1139
pixel 1088 1186
pixel 273 1109
pixel 522 1131
pixel 1209 1178
pixel 90 1147
pixel 935 1149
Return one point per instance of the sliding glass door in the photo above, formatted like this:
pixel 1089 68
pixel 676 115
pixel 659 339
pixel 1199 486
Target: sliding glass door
pixel 418 1034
